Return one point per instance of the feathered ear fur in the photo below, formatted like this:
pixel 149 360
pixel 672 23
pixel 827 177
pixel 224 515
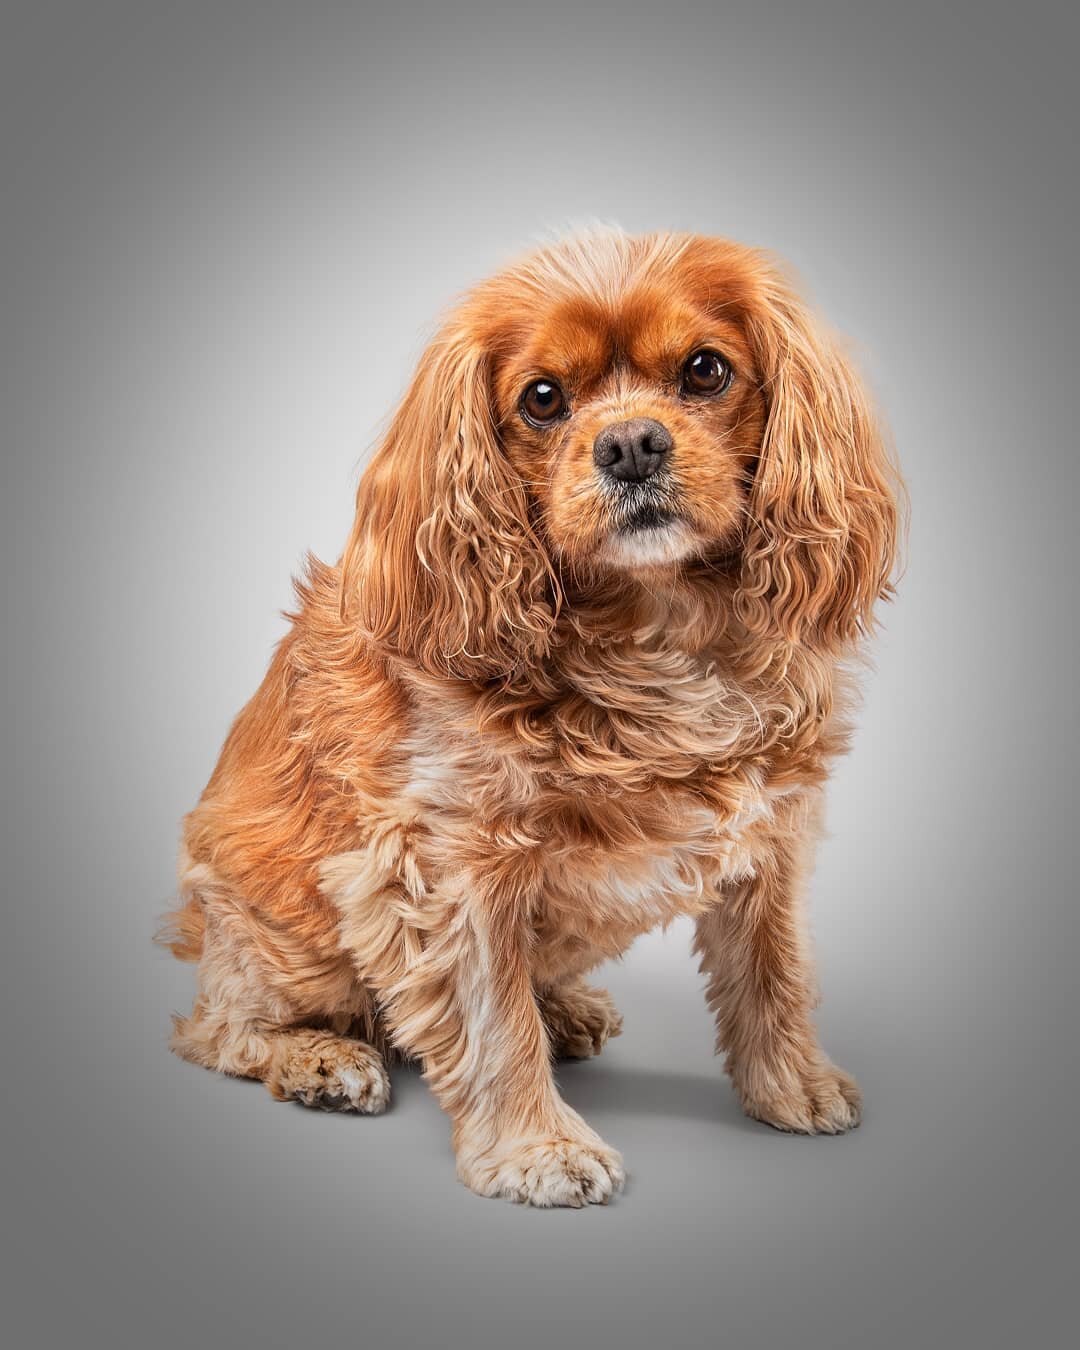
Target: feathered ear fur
pixel 442 565
pixel 823 511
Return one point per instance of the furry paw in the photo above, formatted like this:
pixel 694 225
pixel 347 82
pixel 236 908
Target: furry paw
pixel 328 1072
pixel 818 1099
pixel 547 1172
pixel 579 1020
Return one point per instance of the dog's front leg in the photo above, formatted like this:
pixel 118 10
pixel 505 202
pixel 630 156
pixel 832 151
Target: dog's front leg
pixel 450 968
pixel 761 987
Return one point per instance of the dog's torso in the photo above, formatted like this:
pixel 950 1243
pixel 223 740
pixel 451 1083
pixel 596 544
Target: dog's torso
pixel 356 803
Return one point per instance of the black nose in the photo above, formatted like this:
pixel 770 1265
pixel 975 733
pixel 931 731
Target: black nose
pixel 632 451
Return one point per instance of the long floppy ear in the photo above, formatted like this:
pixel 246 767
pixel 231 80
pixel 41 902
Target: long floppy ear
pixel 824 506
pixel 442 566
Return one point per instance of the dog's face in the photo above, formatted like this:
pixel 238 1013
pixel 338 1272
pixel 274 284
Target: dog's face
pixel 607 407
pixel 634 416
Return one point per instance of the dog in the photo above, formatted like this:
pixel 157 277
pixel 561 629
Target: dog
pixel 582 667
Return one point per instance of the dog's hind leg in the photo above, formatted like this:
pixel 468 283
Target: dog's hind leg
pixel 274 1008
pixel 579 1018
pixel 306 1064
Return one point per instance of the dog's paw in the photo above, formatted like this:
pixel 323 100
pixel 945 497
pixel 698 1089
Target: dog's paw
pixel 329 1072
pixel 817 1099
pixel 547 1172
pixel 580 1020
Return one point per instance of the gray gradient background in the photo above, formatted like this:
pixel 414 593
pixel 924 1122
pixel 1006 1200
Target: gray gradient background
pixel 226 232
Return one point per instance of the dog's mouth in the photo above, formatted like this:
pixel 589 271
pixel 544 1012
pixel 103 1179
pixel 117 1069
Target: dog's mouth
pixel 647 530
pixel 642 509
pixel 647 516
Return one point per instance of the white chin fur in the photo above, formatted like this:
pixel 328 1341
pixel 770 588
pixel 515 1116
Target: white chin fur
pixel 651 547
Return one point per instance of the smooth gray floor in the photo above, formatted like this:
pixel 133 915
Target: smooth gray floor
pixel 226 230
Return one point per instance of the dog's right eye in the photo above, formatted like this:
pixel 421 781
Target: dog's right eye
pixel 542 403
pixel 706 372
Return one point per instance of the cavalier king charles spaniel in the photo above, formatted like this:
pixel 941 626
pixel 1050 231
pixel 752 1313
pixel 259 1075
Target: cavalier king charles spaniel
pixel 582 667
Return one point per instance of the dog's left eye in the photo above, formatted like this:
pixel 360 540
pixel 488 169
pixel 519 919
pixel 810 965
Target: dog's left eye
pixel 706 372
pixel 543 403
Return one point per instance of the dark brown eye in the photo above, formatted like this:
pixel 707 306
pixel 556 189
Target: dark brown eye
pixel 543 403
pixel 706 372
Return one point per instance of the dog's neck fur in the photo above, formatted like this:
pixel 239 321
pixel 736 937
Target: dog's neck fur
pixel 655 683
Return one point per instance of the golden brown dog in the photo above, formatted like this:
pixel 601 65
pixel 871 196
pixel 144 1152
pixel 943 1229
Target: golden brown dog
pixel 580 669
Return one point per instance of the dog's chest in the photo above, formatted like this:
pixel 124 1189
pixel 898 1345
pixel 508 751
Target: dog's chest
pixel 616 829
pixel 663 859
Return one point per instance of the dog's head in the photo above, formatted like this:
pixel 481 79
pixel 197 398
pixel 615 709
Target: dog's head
pixel 607 408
